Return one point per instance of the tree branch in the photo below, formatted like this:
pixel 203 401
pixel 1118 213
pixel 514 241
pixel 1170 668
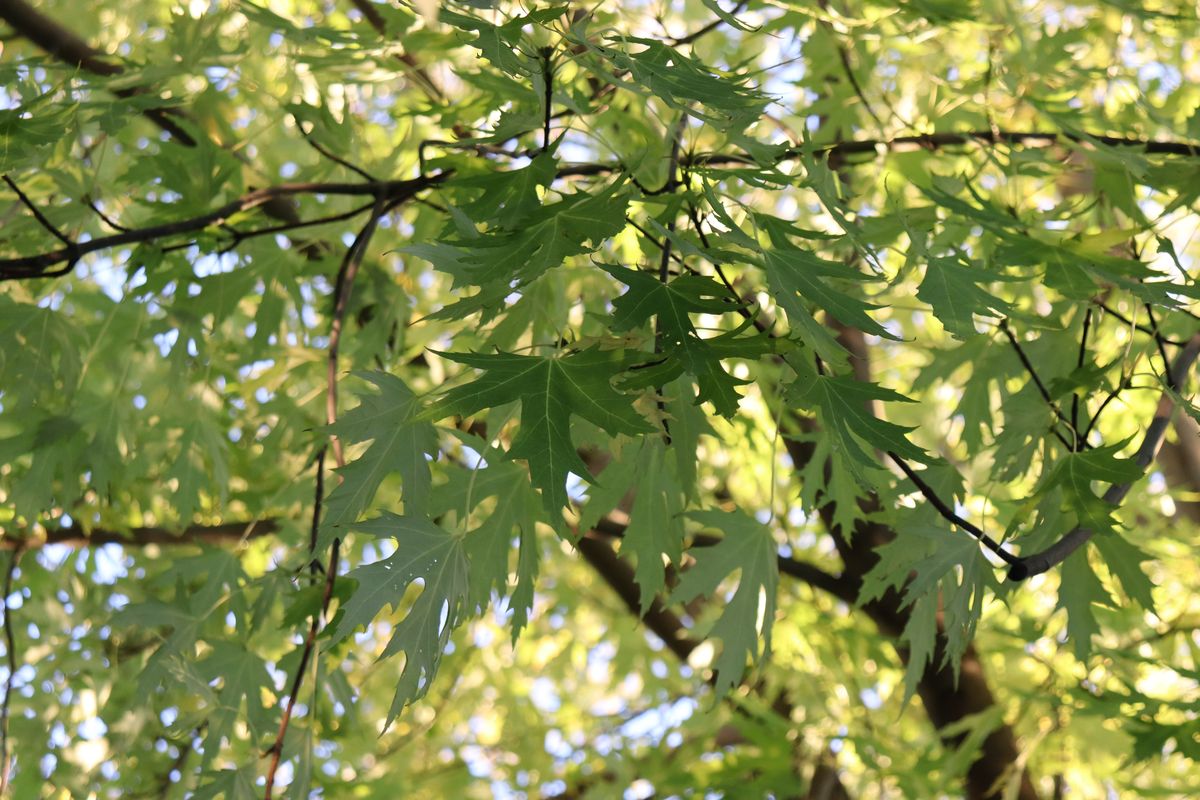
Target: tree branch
pixel 1038 563
pixel 37 214
pixel 70 49
pixel 948 513
pixel 343 285
pixel 1041 387
pixel 74 536
pixel 375 19
pixel 35 266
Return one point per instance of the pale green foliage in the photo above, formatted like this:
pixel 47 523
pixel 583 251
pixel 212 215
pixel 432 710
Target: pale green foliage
pixel 650 292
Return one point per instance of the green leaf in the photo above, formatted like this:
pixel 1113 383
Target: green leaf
pixel 951 287
pixel 655 526
pixel 1075 472
pixel 399 444
pixel 792 271
pixel 671 304
pixel 244 681
pixel 1078 590
pixel 748 546
pixel 683 82
pixel 920 633
pixel 552 390
pixel 230 784
pixel 578 224
pixel 843 406
pixel 438 558
pixel 508 196
pixel 514 513
pixel 1124 561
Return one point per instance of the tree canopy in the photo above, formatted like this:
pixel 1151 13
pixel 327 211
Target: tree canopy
pixel 654 399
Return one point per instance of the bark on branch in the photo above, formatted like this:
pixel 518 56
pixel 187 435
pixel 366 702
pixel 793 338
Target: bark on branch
pixel 74 536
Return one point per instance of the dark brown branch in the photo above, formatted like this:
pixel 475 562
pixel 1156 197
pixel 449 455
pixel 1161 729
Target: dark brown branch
pixel 37 214
pixel 343 286
pixel 70 49
pixel 75 536
pixel 948 513
pixel 1054 554
pixel 35 266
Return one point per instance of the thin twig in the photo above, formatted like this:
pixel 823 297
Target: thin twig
pixel 11 655
pixel 1087 322
pixel 36 266
pixel 707 29
pixel 1121 386
pixel 1142 328
pixel 1041 387
pixel 844 57
pixel 547 96
pixel 109 221
pixel 1038 563
pixel 948 513
pixel 341 300
pixel 1158 341
pixel 276 749
pixel 318 499
pixel 343 286
pixel 334 157
pixel 37 214
pixel 665 259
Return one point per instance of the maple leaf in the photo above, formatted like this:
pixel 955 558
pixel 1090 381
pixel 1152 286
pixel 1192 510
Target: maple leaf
pixel 1078 590
pixel 509 196
pixel 748 546
pixel 399 443
pixel 577 224
pixel 843 406
pixel 514 513
pixel 682 81
pixel 552 389
pixel 951 287
pixel 439 559
pixel 671 304
pixel 1075 472
pixel 244 678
